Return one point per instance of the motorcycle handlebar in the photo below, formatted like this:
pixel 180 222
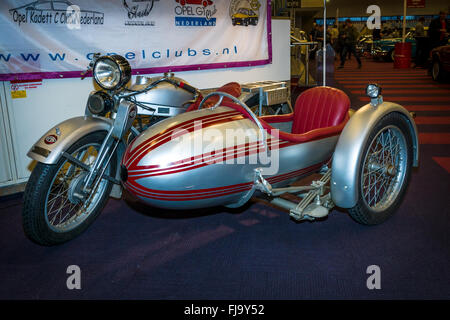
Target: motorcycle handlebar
pixel 184 86
pixel 188 87
pixel 180 84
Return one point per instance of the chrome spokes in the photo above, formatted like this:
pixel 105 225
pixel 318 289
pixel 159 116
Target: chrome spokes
pixel 384 168
pixel 64 210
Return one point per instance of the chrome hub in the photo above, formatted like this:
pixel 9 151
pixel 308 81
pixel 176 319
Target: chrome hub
pixel 75 193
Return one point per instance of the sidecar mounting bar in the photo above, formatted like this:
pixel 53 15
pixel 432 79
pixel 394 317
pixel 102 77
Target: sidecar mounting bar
pixel 264 186
pixel 315 203
pixel 280 191
pixel 306 209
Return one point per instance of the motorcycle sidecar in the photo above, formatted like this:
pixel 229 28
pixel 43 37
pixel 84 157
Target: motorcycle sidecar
pixel 222 155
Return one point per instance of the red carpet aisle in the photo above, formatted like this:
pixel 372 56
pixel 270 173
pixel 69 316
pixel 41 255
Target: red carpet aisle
pixel 412 88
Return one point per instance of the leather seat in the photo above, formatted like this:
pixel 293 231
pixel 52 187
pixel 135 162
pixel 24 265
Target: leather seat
pixel 319 107
pixel 319 112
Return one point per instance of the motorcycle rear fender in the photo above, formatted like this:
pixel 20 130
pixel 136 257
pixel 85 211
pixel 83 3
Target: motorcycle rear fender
pixel 49 148
pixel 348 153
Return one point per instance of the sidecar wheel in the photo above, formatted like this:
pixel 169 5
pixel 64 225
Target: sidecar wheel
pixel 384 172
pixel 51 213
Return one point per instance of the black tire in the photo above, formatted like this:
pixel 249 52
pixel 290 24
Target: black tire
pixel 34 219
pixel 437 73
pixel 390 56
pixel 361 212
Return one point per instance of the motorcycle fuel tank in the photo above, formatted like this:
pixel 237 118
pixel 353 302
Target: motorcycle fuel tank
pixel 167 99
pixel 208 158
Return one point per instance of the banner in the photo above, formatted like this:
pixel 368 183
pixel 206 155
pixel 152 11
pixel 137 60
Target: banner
pixel 57 39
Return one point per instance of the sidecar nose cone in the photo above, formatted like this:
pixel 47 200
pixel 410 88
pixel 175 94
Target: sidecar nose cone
pixel 123 173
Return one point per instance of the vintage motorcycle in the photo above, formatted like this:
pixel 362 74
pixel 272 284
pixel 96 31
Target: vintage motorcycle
pixel 78 159
pixel 222 155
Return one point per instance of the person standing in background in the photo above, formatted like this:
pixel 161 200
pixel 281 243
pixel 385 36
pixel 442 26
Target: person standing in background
pixel 350 35
pixel 313 32
pixel 313 36
pixel 376 33
pixel 421 45
pixel 438 31
pixel 334 35
pixel 319 36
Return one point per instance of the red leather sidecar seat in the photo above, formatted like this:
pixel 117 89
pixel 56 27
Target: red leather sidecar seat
pixel 232 88
pixel 319 112
pixel 319 107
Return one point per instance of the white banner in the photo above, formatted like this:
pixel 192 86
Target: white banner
pixel 53 39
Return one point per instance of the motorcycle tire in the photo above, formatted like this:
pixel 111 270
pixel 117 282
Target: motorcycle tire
pixel 376 204
pixel 35 220
pixel 437 72
pixel 390 56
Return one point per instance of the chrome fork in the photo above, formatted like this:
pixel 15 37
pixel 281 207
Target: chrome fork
pixel 123 121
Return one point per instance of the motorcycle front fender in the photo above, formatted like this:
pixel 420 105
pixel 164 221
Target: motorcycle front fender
pixel 49 148
pixel 348 153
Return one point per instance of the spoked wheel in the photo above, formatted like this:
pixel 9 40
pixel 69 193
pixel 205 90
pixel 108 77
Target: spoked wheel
pixel 384 171
pixel 55 207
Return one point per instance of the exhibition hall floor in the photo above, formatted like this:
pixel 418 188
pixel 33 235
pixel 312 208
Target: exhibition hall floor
pixel 137 252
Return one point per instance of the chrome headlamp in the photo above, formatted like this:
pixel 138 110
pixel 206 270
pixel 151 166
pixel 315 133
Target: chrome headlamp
pixel 373 90
pixel 111 72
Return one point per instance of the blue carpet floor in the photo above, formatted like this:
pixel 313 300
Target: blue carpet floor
pixel 137 252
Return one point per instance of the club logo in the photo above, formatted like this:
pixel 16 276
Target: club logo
pixel 244 12
pixel 59 12
pixel 50 139
pixel 195 13
pixel 138 11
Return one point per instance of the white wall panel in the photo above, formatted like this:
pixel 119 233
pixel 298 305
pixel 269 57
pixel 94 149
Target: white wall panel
pixel 5 168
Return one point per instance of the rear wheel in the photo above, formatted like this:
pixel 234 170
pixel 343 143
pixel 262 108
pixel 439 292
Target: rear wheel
pixel 384 171
pixel 54 212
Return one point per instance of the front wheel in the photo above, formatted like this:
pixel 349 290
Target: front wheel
pixel 55 208
pixel 384 171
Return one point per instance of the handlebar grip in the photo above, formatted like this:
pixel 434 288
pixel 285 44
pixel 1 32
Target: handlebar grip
pixel 187 87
